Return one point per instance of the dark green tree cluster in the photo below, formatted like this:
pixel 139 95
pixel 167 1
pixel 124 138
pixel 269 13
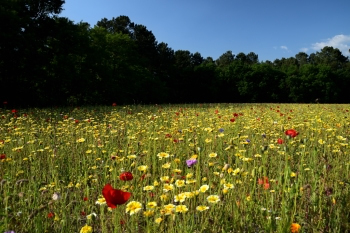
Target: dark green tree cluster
pixel 47 60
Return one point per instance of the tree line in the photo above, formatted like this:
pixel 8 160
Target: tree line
pixel 48 60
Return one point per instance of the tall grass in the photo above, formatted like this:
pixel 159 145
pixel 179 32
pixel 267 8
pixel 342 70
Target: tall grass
pixel 55 162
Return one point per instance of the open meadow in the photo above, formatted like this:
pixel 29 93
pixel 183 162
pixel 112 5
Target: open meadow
pixel 176 168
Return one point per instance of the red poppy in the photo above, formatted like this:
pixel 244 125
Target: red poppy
pixel 114 197
pixel 50 215
pixel 2 156
pixel 13 110
pixel 85 199
pixel 265 182
pixel 291 132
pixel 126 176
pixel 280 141
pixel 232 119
pixel 235 114
pixel 114 104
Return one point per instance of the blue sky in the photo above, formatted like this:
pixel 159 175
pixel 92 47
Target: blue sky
pixel 270 28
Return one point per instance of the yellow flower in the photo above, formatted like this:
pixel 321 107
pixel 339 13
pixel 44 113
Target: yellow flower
pixel 181 209
pixel 295 227
pixel 152 204
pixel 164 178
pixel 189 175
pixel 321 141
pixel 213 155
pixel 81 140
pixel 208 140
pixel 204 188
pixel 148 213
pixel 101 201
pixel 213 199
pixel 148 188
pixel 142 168
pixel 133 207
pixel 158 220
pixel 179 183
pixel 131 156
pixel 166 165
pixel 86 229
pixel 168 187
pixel 164 197
pixel 293 174
pixel 228 186
pixel 162 155
pixel 202 208
pixel 180 197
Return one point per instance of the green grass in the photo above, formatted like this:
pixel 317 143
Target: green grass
pixel 74 153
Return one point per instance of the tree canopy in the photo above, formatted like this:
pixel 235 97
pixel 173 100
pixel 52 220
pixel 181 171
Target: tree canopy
pixel 48 60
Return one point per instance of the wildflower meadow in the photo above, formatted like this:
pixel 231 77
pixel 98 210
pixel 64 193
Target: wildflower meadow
pixel 176 168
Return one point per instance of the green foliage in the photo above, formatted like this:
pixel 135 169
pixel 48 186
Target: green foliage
pixel 48 60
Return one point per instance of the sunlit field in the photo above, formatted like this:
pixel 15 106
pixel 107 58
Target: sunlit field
pixel 176 168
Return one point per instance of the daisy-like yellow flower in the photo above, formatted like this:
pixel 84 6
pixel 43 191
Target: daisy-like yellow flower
pixel 148 213
pixel 101 201
pixel 143 168
pixel 293 174
pixel 131 156
pixel 158 220
pixel 177 160
pixel 189 175
pixel 177 171
pixel 148 188
pixel 213 155
pixel 181 197
pixel 213 199
pixel 152 204
pixel 204 188
pixel 208 140
pixel 228 186
pixel 80 140
pixel 133 207
pixel 202 208
pixel 168 209
pixel 181 209
pixel 164 178
pixel 86 229
pixel 321 141
pixel 179 183
pixel 191 181
pixel 236 171
pixel 166 165
pixel 168 187
pixel 225 190
pixel 162 155
pixel 164 197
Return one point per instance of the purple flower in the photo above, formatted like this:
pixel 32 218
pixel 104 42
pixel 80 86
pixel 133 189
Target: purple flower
pixel 221 130
pixel 9 232
pixel 191 162
pixel 247 140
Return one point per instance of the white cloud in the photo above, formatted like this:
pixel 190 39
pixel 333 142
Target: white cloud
pixel 342 42
pixel 304 50
pixel 284 47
